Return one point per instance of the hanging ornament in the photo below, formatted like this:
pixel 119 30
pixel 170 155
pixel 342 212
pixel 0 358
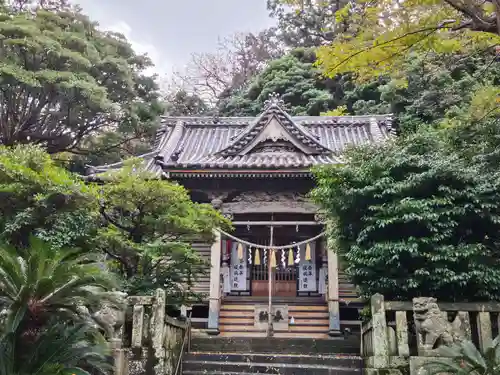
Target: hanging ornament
pixel 283 263
pixel 308 252
pixel 265 256
pixel 240 251
pixel 249 255
pixel 257 257
pixel 290 257
pixel 297 259
pixel 273 258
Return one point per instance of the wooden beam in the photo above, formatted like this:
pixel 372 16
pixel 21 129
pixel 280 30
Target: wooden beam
pixel 275 223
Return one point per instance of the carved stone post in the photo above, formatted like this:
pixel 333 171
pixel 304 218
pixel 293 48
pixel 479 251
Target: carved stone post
pixel 157 331
pixel 214 298
pixel 379 332
pixel 484 330
pixel 119 357
pixel 333 293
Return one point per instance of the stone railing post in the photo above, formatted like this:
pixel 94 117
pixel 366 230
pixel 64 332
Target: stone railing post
pixel 333 293
pixel 157 329
pixel 119 357
pixel 379 332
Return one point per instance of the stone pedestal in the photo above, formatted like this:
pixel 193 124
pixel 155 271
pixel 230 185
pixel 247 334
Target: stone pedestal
pixel 417 364
pixel 278 310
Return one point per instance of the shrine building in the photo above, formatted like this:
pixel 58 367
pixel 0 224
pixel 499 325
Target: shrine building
pixel 257 172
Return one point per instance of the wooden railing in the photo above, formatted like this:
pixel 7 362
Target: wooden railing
pixel 400 331
pixel 150 341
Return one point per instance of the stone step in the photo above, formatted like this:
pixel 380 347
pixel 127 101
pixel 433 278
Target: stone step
pixel 274 371
pixel 349 345
pixel 349 361
pixel 224 367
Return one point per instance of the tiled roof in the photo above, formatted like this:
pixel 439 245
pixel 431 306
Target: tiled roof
pixel 239 143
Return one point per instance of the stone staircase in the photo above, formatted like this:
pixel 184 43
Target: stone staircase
pixel 290 356
pixel 310 318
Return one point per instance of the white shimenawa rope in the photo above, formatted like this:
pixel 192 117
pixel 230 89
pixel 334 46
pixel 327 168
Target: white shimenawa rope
pixel 272 247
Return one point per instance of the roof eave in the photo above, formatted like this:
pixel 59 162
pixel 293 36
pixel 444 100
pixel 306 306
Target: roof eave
pixel 238 173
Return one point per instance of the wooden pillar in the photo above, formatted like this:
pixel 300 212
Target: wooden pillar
pixel 214 298
pixel 333 293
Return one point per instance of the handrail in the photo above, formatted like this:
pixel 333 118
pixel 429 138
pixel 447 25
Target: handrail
pixel 186 339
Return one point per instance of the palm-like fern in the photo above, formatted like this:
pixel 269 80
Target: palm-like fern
pixel 464 358
pixel 47 301
pixel 40 283
pixel 61 349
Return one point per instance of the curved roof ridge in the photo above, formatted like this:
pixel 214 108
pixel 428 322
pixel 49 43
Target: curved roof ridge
pixel 246 136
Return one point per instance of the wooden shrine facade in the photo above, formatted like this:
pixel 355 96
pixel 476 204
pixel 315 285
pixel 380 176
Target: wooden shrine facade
pixel 257 172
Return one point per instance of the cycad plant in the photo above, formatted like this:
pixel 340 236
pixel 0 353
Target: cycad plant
pixel 60 349
pixel 47 301
pixel 464 358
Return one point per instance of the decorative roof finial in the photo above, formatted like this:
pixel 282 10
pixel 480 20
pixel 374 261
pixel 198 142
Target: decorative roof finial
pixel 274 100
pixel 216 116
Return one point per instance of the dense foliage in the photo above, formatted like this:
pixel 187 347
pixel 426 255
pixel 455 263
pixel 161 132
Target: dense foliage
pixel 380 36
pixel 436 89
pixel 300 84
pixel 149 227
pixel 133 218
pixel 69 86
pixel 466 359
pixel 40 198
pixel 415 218
pixel 310 23
pixel 49 300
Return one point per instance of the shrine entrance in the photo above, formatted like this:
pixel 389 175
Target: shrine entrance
pixel 283 280
pixel 295 271
pixel 271 265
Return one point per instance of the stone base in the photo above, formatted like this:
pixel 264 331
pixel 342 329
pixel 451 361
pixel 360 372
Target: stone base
pixel 384 371
pixel 416 364
pixel 391 365
pixel 213 331
pixel 335 333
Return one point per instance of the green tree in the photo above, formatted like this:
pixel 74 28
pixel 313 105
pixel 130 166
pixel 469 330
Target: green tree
pixel 412 218
pixel 149 227
pixel 42 199
pixel 381 36
pixel 310 23
pixel 294 77
pixel 68 86
pixel 182 103
pixel 435 89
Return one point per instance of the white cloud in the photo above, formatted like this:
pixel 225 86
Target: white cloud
pixel 103 15
pixel 140 47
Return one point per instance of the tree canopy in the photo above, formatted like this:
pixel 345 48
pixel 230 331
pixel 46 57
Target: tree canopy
pixel 414 218
pixel 134 219
pixel 300 84
pixel 68 86
pixel 40 198
pixel 149 226
pixel 381 35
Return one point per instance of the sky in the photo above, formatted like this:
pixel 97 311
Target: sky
pixel 170 30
